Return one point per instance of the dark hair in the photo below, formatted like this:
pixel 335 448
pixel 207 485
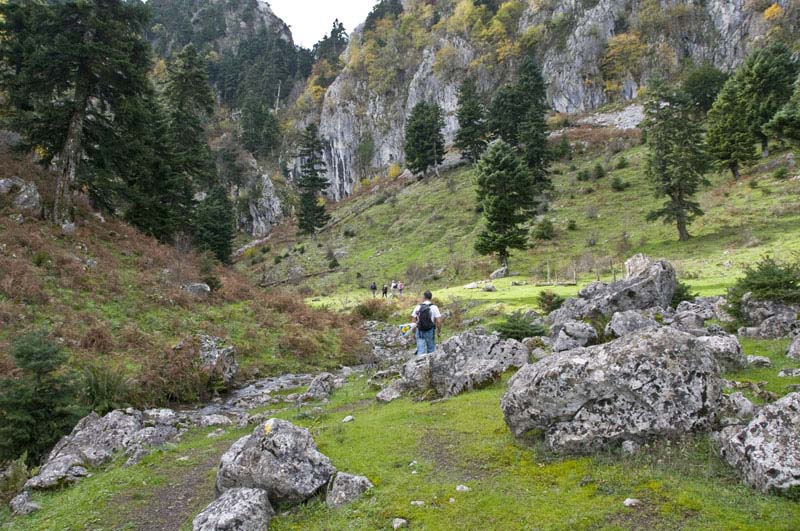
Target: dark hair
pixel 428 295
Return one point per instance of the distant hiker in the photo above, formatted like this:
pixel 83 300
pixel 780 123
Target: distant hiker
pixel 385 291
pixel 400 287
pixel 429 324
pixel 394 289
pixel 373 288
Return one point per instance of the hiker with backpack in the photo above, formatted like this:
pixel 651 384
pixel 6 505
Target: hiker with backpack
pixel 428 319
pixel 385 291
pixel 373 288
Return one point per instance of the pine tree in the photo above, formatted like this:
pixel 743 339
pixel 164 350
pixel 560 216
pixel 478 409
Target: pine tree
pixel 702 84
pixel 514 104
pixel 504 114
pixel 766 80
pixel 68 68
pixel 312 182
pixel 786 122
pixel 729 138
pixel 424 141
pixel 505 192
pixel 41 406
pixel 536 151
pixel 214 224
pixel 472 126
pixel 676 161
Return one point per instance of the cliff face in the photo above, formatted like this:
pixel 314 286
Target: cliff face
pixel 591 52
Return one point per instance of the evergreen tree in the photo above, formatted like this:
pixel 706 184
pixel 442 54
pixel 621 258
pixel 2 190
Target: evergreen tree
pixel 729 138
pixel 504 114
pixel 331 46
pixel 472 127
pixel 766 81
pixel 40 407
pixel 261 134
pixel 702 84
pixel 536 152
pixel 312 182
pixel 505 192
pixel 424 141
pixel 675 161
pixel 214 224
pixel 514 104
pixel 189 102
pixel 68 68
pixel 786 122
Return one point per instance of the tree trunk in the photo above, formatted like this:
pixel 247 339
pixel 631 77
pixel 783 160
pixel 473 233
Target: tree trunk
pixel 683 234
pixel 734 167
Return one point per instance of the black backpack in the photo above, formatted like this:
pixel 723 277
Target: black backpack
pixel 424 319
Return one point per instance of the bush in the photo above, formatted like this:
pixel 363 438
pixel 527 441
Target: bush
pixel 11 483
pixel 349 233
pixel 682 293
pixel 278 259
pixel 598 172
pixel 105 389
pixel 618 185
pixel 333 264
pixel 394 171
pixel 374 310
pixel 517 326
pixel 544 230
pixel 41 258
pixel 549 301
pixel 41 406
pixel 622 163
pixel 780 174
pixel 208 273
pixel 584 175
pixel 768 280
pixel 572 225
pixel 265 249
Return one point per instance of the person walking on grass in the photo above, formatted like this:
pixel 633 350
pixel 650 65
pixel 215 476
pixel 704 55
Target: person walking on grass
pixel 400 287
pixel 373 288
pixel 428 319
pixel 385 291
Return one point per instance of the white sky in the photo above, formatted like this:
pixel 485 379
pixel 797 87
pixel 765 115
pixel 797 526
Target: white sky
pixel 310 20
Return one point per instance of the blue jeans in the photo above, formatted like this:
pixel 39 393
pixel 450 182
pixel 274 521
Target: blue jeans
pixel 426 341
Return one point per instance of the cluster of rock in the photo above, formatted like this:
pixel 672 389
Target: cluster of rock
pixel 388 344
pixel 23 194
pixel 277 464
pixel 769 319
pixel 462 363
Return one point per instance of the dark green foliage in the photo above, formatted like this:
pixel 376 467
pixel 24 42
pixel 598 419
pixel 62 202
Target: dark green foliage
pixel 504 112
pixel 683 292
pixel 506 192
pixel 333 263
pixel 562 150
pixel 208 272
pixel 214 225
pixel 786 122
pixel 549 301
pixel 104 389
pixel 332 45
pixel 622 163
pixel 676 161
pixel 584 175
pixel 728 137
pixel 766 81
pixel 312 182
pixel 424 141
pixel 618 185
pixel 383 9
pixel 40 406
pixel 517 326
pixel 572 225
pixel 544 230
pixel 472 126
pixel 767 280
pixel 364 153
pixel 13 479
pixel 598 172
pixel 70 69
pixel 702 83
pixel 261 132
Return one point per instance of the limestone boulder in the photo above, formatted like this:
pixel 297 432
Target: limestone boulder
pixel 218 357
pixel 766 452
pixel 573 334
pixel 346 488
pixel 320 389
pixel 277 457
pixel 627 322
pixel 651 383
pixel 794 349
pixel 726 350
pixel 240 509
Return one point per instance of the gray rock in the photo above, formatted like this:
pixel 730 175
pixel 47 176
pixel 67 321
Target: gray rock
pixel 391 392
pixel 645 287
pixel 214 419
pixel 489 288
pixel 736 409
pixel 25 194
pixel 703 307
pixel 573 334
pixel 759 361
pixel 726 350
pixel 22 505
pixel 789 373
pixel 387 343
pixel 198 289
pixel 688 321
pixel 768 319
pixel 766 452
pixel 279 458
pixel 348 418
pixel 217 357
pixel 320 389
pixel 346 488
pixel 794 349
pixel 627 322
pixel 57 472
pixel 164 416
pixel 499 273
pixel 472 285
pixel 240 509
pixel 399 523
pixel 654 382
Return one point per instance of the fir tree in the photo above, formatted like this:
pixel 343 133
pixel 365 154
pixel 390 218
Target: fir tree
pixel 786 122
pixel 675 161
pixel 515 104
pixel 312 182
pixel 472 127
pixel 214 224
pixel 40 407
pixel 702 84
pixel 68 68
pixel 729 138
pixel 766 83
pixel 424 141
pixel 506 192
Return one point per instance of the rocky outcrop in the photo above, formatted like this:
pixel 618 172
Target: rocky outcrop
pixel 239 509
pixel 346 488
pixel 768 319
pixel 279 458
pixel 654 382
pixel 649 284
pixel 260 207
pixel 217 357
pixel 320 389
pixel 628 322
pixel 21 504
pixel 573 334
pixel 794 349
pixel 724 348
pixel 23 194
pixel 766 452
pixel 388 344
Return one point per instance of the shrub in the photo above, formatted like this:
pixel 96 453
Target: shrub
pixel 584 175
pixel 41 258
pixel 175 375
pixel 544 230
pixel 265 249
pixel 572 225
pixel 208 271
pixel 394 171
pixel 333 263
pixel 38 408
pixel 682 293
pixel 780 174
pixel 349 233
pixel 768 280
pixel 549 301
pixel 622 163
pixel 12 481
pixel 517 326
pixel 374 310
pixel 618 185
pixel 753 184
pixel 105 389
pixel 278 259
pixel 598 172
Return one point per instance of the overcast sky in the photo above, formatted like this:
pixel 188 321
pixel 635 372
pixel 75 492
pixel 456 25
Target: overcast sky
pixel 310 20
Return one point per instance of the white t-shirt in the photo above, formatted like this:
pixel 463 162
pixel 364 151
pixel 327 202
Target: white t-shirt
pixel 435 313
